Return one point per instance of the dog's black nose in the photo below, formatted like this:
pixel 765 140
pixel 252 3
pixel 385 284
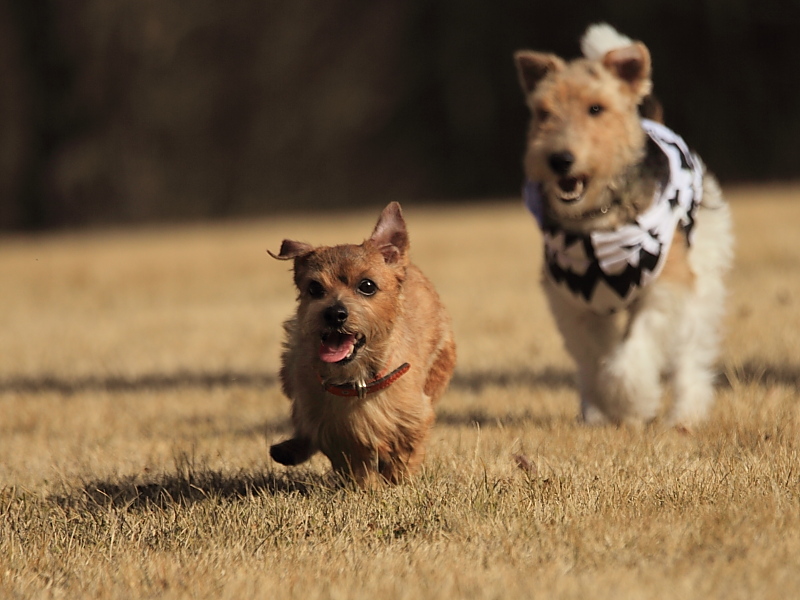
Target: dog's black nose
pixel 561 162
pixel 335 315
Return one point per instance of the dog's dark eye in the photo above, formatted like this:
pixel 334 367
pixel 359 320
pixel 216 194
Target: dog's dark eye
pixel 596 109
pixel 367 287
pixel 315 289
pixel 542 115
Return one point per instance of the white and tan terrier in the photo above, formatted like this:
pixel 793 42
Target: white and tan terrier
pixel 366 356
pixel 637 235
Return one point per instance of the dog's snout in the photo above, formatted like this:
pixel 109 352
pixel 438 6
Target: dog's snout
pixel 336 315
pixel 561 162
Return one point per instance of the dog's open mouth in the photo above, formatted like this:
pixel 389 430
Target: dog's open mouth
pixel 571 188
pixel 340 347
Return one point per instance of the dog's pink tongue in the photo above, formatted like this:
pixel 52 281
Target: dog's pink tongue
pixel 336 346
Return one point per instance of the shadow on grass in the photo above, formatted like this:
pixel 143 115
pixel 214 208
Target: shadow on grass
pixel 185 487
pixel 212 427
pixel 190 484
pixel 484 420
pixel 150 381
pixel 762 374
pixel 751 372
pixel 549 379
pixel 473 381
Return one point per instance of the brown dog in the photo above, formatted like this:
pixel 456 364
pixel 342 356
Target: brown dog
pixel 368 352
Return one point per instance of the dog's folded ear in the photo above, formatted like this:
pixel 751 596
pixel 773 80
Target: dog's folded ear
pixel 532 67
pixel 632 65
pixel 291 249
pixel 390 234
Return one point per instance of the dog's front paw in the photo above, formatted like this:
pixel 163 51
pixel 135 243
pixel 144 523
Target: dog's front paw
pixel 292 452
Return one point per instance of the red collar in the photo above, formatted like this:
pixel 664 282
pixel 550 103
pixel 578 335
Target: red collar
pixel 361 389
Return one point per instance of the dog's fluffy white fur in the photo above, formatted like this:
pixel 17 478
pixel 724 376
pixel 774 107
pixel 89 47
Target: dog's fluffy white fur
pixel 600 39
pixel 672 329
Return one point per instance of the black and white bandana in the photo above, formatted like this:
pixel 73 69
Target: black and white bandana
pixel 606 270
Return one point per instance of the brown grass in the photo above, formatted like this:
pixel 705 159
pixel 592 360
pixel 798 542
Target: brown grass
pixel 138 398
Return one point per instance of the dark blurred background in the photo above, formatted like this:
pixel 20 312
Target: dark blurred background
pixel 120 111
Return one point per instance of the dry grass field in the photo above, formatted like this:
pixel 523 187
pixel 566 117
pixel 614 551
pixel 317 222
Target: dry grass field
pixel 138 398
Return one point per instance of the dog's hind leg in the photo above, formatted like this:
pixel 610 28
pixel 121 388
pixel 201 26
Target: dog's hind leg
pixel 696 347
pixel 693 381
pixel 698 341
pixel 441 371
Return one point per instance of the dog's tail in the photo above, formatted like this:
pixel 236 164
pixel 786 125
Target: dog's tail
pixel 600 39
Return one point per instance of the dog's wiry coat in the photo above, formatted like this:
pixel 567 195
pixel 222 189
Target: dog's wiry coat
pixel 395 318
pixel 598 171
